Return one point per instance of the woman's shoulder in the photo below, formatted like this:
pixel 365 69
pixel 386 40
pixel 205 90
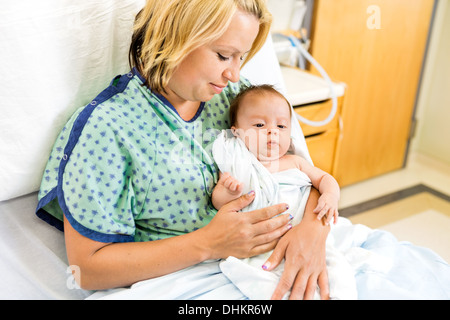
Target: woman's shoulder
pixel 237 87
pixel 114 115
pixel 232 90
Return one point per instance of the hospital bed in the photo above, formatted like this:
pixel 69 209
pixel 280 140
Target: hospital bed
pixel 56 55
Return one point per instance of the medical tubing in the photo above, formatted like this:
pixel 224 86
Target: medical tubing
pixel 296 43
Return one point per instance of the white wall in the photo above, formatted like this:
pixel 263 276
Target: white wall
pixel 433 109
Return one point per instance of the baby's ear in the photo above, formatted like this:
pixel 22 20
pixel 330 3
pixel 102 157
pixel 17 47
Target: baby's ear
pixel 234 131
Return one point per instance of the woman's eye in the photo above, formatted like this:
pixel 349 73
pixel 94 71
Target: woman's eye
pixel 222 58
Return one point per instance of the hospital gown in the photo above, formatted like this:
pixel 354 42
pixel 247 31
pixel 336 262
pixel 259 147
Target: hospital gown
pixel 127 168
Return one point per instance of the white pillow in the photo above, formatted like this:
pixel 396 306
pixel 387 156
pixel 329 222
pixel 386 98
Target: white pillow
pixel 264 68
pixel 56 55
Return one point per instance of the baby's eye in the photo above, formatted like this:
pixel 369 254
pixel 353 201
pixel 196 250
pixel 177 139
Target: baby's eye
pixel 259 125
pixel 281 126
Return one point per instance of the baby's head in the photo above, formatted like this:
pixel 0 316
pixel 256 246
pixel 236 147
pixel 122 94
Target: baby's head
pixel 261 117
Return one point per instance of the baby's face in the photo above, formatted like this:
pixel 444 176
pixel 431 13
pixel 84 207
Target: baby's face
pixel 263 122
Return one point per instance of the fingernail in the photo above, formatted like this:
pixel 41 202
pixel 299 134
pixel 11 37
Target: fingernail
pixel 291 217
pixel 287 207
pixel 266 265
pixel 289 226
pixel 251 193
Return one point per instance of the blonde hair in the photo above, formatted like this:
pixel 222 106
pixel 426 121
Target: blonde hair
pixel 166 31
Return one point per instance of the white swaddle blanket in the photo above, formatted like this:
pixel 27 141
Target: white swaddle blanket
pixel 289 186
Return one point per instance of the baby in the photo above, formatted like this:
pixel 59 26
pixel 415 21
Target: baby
pixel 254 157
pixel 261 117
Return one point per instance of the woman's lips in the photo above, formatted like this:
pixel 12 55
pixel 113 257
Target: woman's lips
pixel 217 89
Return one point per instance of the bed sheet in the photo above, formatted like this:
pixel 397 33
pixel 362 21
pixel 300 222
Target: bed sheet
pixel 33 265
pixel 33 262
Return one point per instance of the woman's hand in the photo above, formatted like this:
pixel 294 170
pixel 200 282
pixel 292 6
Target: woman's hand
pixel 303 249
pixel 304 268
pixel 245 234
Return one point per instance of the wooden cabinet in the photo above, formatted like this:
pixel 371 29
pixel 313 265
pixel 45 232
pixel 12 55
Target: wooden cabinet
pixel 377 49
pixel 323 142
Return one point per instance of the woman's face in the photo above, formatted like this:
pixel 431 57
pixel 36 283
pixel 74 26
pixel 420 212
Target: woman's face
pixel 207 70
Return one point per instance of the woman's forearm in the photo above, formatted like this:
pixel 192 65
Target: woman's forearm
pixel 105 266
pixel 303 249
pixel 318 228
pixel 110 265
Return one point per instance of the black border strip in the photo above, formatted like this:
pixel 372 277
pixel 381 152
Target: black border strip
pixel 389 198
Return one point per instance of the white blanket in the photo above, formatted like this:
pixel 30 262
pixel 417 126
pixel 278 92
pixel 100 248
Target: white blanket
pixel 384 269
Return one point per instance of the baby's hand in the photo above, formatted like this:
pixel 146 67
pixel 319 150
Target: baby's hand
pixel 327 206
pixel 233 186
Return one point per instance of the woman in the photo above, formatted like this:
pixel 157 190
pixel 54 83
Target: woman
pixel 130 176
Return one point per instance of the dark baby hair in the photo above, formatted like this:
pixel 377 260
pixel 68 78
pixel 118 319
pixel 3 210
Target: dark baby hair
pixel 259 89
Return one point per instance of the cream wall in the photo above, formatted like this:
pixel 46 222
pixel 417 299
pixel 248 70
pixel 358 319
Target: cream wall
pixel 433 110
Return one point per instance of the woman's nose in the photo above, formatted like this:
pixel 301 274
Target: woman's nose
pixel 232 73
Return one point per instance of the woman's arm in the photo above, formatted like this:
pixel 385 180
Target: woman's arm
pixel 304 250
pixel 110 265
